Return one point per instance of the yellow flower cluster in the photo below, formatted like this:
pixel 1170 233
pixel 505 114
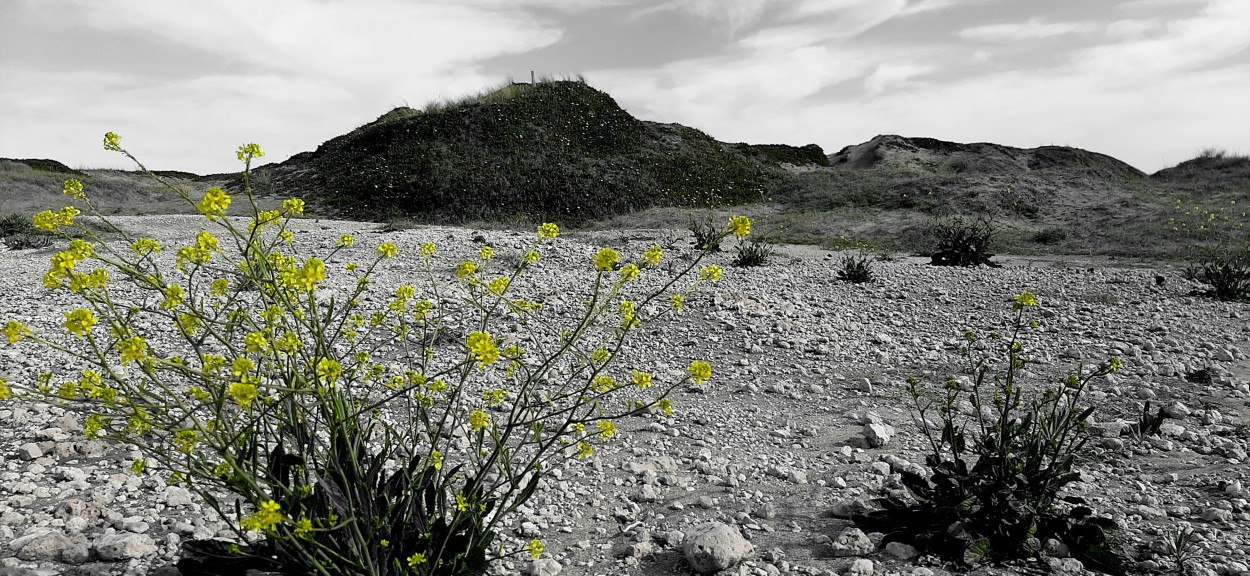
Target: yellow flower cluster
pixel 605 259
pixel 52 221
pixel 1025 299
pixel 265 519
pixel 740 226
pixel 652 256
pixel 244 392
pixel 248 151
pixel 79 322
pixel 73 189
pixel 547 231
pixel 388 250
pixel 478 420
pixel 483 348
pixel 214 203
pixel 700 371
pixel 293 206
pixel 711 273
pixel 112 142
pixel 304 279
pixel 14 331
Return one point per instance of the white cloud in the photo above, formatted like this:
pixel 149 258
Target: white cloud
pixel 1221 31
pixel 894 75
pixel 1133 29
pixel 1033 29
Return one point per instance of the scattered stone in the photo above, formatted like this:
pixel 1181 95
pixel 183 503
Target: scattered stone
pixel 42 544
pixel 878 435
pixel 543 567
pixel 715 546
pixel 852 542
pixel 901 551
pixel 861 567
pixel 124 546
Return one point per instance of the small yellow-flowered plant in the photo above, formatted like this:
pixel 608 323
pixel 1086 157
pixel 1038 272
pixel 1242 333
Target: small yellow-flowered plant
pixel 548 231
pixel 700 371
pixel 388 250
pixel 711 273
pixel 740 226
pixel 483 348
pixel 1025 299
pixel 535 548
pixel 605 259
pixel 73 189
pixel 214 203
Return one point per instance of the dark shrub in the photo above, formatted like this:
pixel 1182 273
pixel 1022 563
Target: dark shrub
pixel 754 252
pixel 855 269
pixel 1050 236
pixel 706 235
pixel 963 243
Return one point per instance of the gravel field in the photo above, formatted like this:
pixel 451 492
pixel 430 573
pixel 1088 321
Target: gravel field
pixel 806 417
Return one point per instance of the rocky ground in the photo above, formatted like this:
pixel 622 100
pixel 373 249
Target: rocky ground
pixel 805 418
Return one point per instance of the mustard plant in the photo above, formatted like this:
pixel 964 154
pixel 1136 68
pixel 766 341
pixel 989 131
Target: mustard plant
pixel 333 435
pixel 1218 249
pixel 997 471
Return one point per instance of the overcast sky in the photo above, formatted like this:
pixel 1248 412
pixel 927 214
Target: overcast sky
pixel 1150 82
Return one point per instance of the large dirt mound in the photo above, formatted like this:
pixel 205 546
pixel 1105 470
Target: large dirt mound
pixel 980 158
pixel 557 150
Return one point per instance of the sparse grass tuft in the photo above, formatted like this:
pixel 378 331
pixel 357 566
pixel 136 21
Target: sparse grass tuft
pixel 963 243
pixel 755 252
pixel 855 269
pixel 706 235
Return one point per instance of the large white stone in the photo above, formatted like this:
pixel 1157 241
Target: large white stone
pixel 715 546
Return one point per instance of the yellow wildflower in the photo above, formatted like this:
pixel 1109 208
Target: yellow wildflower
pixel 417 559
pixel 293 206
pixel 652 256
pixel 499 285
pixel 138 467
pixel 303 527
pixel 605 259
pixel 629 272
pixel 73 189
pixel 712 273
pixel 531 257
pixel 486 253
pixel 14 331
pixel 248 151
pixel 548 231
pixel 329 370
pixel 388 250
pixel 535 548
pixel 186 440
pixel 465 269
pixel 641 379
pixel 80 321
pixel 427 249
pixel 112 142
pixel 740 226
pixel 255 342
pixel 436 459
pixel 585 450
pixel 1025 299
pixel 145 246
pixel 346 240
pixel 675 302
pixel 478 420
pixel 214 203
pixel 133 349
pixel 700 371
pixel 603 383
pixel 244 392
pixel 607 429
pixel 482 346
pixel 173 296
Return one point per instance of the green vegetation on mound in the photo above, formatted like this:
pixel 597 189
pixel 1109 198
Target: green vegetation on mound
pixel 557 150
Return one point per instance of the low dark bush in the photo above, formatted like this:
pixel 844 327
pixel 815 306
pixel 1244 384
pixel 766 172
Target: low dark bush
pixel 855 269
pixel 754 252
pixel 963 243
